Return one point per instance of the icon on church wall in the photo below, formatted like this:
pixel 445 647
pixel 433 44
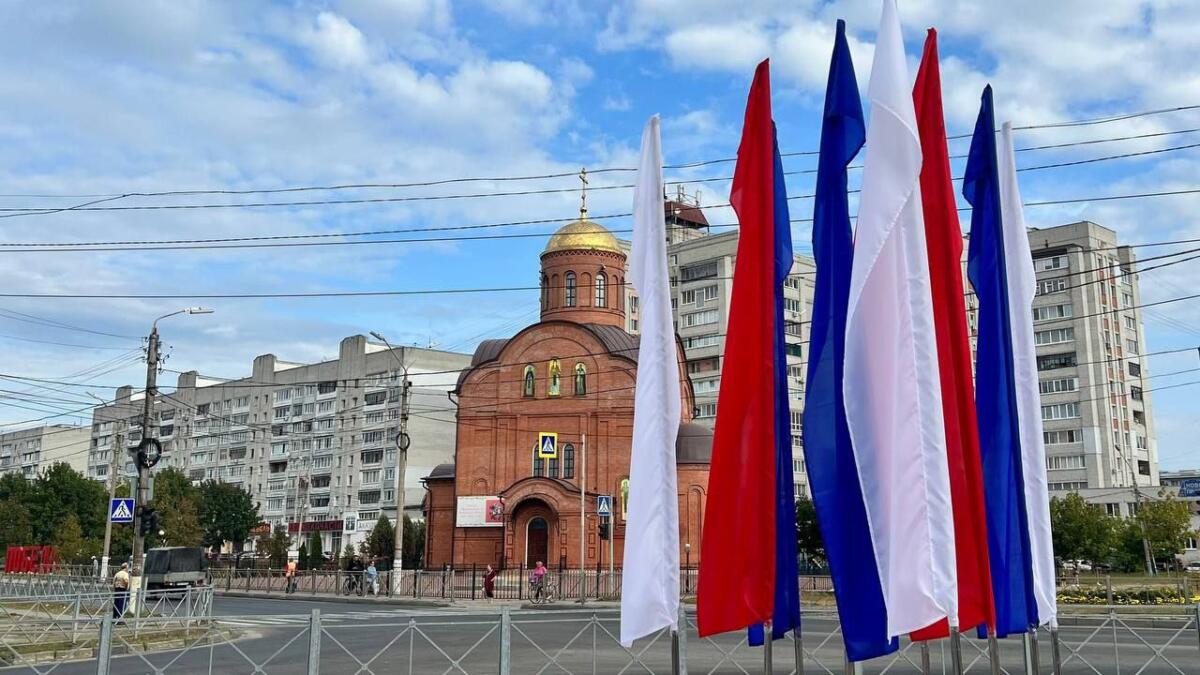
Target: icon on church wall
pixel 555 378
pixel 625 499
pixel 529 381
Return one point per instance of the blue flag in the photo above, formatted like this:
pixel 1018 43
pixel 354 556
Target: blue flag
pixel 832 473
pixel 786 615
pixel 995 389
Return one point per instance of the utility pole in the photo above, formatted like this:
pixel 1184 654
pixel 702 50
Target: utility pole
pixel 582 518
pixel 143 487
pixel 402 443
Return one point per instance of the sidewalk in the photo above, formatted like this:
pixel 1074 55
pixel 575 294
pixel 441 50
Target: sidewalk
pixel 424 603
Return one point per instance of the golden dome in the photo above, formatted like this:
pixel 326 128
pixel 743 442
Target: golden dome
pixel 583 235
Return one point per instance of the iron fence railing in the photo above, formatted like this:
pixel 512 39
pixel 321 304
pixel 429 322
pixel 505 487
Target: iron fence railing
pixel 574 641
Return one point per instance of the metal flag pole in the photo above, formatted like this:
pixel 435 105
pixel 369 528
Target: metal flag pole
pixel 679 644
pixel 924 657
pixel 768 662
pixel 1027 650
pixel 1055 655
pixel 1035 660
pixel 798 647
pixel 993 651
pixel 956 665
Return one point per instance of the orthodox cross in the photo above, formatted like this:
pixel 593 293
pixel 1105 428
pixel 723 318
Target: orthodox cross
pixel 583 193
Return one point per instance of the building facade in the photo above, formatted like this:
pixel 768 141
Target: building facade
pixel 30 451
pixel 1095 384
pixel 314 444
pixel 571 374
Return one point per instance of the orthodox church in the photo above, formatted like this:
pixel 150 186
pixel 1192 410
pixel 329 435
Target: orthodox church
pixel 508 500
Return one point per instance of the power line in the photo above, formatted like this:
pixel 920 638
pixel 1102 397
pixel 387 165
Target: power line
pixel 546 176
pixel 42 321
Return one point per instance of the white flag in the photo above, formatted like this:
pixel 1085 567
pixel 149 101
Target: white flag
pixel 650 576
pixel 892 388
pixel 1022 285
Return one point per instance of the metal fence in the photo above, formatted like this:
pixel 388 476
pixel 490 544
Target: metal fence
pixel 450 584
pixel 582 641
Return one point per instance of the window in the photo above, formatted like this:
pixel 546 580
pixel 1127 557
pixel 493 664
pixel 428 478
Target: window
pixel 375 398
pixel 1057 262
pixel 372 456
pixel 797 421
pixel 570 290
pixel 373 417
pixel 699 296
pixel 545 286
pixel 552 468
pixel 1139 417
pixel 555 379
pixel 703 270
pixel 1060 411
pixel 568 461
pixel 1143 467
pixel 1135 393
pixel 202 409
pixel 706 317
pixel 1050 312
pixel 706 410
pixel 537 464
pixel 709 386
pixel 282 413
pixel 1062 436
pixel 166 430
pixel 1065 462
pixel 1126 300
pixel 322 462
pixel 1051 286
pixel 791 305
pixel 327 387
pixel 1056 361
pixel 275 504
pixel 696 341
pixel 369 497
pixel 601 290
pixel 1135 370
pixel 1054 336
pixel 372 437
pixel 528 389
pixel 1070 486
pixel 370 476
pixel 1132 346
pixel 580 379
pixel 325 406
pixel 1058 386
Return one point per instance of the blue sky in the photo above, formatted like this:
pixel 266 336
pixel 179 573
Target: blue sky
pixel 110 97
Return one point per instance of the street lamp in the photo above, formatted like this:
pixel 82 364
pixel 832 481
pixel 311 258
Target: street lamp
pixel 147 444
pixel 687 567
pixel 402 443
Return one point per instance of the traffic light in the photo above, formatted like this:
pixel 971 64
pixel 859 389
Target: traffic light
pixel 149 524
pixel 605 532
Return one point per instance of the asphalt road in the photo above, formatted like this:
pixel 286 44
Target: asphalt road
pixel 383 639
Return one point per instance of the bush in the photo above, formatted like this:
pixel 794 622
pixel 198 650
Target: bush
pixel 1095 594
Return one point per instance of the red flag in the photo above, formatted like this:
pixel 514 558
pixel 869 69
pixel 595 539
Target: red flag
pixel 737 575
pixel 944 241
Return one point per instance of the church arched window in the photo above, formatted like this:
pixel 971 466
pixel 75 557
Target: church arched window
pixel 570 290
pixel 568 461
pixel 528 387
pixel 552 468
pixel 545 292
pixel 555 378
pixel 580 379
pixel 602 290
pixel 538 463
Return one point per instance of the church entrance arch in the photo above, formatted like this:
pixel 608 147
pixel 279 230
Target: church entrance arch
pixel 534 522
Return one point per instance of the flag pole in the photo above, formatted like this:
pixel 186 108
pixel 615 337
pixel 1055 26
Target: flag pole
pixel 956 664
pixel 768 662
pixel 583 519
pixel 798 647
pixel 993 651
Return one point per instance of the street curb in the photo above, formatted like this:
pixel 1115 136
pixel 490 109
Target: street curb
pixel 571 606
pixel 405 602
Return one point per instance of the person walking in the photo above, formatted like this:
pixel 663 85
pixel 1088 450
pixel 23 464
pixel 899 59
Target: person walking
pixel 289 572
pixel 120 587
pixel 489 584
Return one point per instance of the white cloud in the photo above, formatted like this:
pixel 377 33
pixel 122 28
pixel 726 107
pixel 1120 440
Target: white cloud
pixel 719 47
pixel 336 42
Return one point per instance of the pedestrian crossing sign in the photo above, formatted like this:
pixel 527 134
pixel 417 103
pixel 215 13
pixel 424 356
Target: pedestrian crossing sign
pixel 120 510
pixel 547 445
pixel 604 506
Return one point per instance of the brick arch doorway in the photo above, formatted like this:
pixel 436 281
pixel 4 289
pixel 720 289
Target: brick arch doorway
pixel 535 524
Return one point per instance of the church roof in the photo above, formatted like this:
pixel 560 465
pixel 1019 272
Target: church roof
pixel 583 235
pixel 441 471
pixel 693 444
pixel 615 340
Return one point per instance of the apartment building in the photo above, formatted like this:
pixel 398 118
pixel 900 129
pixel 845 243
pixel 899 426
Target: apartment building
pixel 314 444
pixel 30 451
pixel 1095 384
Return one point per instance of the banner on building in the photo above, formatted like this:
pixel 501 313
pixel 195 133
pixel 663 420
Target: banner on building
pixel 480 512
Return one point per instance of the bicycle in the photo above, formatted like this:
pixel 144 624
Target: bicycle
pixel 353 584
pixel 541 594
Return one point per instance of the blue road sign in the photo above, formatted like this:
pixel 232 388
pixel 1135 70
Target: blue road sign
pixel 120 510
pixel 547 445
pixel 1190 488
pixel 604 506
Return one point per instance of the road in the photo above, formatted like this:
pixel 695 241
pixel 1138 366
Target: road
pixel 384 639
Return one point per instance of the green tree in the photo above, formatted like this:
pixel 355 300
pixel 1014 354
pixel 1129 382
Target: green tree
pixel 302 556
pixel 181 524
pixel 381 542
pixel 1167 525
pixel 1129 555
pixel 16 527
pixel 316 556
pixel 808 534
pixel 1081 531
pixel 277 546
pixel 227 513
pixel 414 544
pixel 14 486
pixel 69 542
pixel 60 491
pixel 348 554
